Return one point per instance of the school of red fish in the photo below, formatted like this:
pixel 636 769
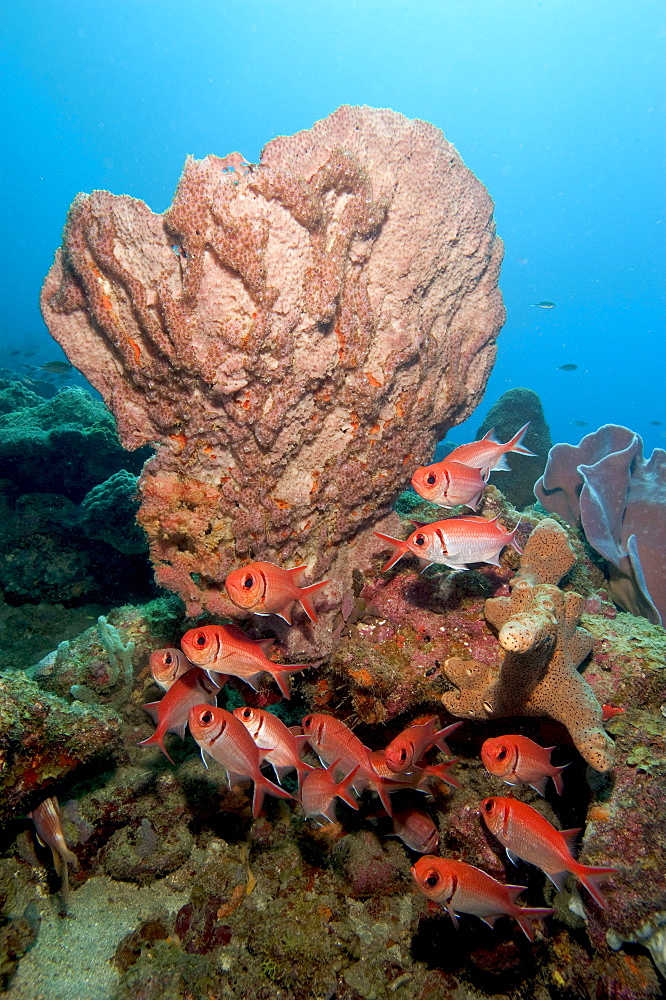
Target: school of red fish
pixel 248 739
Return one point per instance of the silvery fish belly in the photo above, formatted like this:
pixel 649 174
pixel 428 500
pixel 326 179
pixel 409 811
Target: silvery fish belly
pixel 472 547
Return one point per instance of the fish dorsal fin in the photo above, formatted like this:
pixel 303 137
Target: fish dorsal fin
pixel 514 891
pixel 570 837
pixel 153 709
pixel 236 633
pixel 266 645
pixel 490 436
pixel 296 573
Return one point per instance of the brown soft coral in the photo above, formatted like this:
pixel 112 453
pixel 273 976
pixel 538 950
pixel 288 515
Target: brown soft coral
pixel 538 629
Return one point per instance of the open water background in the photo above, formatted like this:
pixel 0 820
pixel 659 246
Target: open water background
pixel 556 105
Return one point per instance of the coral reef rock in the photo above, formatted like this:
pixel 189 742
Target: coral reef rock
pixel 294 336
pixel 618 497
pixel 538 629
pixel 513 409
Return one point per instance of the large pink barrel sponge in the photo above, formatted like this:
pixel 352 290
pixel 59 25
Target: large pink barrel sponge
pixel 293 336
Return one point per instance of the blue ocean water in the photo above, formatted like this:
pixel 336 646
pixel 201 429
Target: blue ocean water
pixel 556 105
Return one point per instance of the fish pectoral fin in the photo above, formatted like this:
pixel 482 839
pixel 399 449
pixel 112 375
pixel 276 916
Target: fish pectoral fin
pixel 513 858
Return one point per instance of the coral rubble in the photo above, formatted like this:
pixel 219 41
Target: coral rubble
pixel 292 335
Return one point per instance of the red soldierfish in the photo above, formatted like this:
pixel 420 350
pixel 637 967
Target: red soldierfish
pixel 409 747
pixel 280 746
pixel 416 829
pixel 46 817
pixel 167 665
pixel 225 738
pixel 519 760
pixel 320 789
pixel 488 454
pixel 226 649
pixel 455 542
pixel 418 778
pixel 332 741
pixel 449 484
pixel 462 888
pixel 526 834
pixel 266 589
pixel 171 713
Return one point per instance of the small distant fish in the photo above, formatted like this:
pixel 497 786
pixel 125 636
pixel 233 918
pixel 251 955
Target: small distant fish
pixel 46 817
pixel 56 368
pixel 13 354
pixel 223 737
pixel 462 888
pixel 489 454
pixel 526 834
pixel 167 665
pixel 320 789
pixel 412 743
pixel 449 484
pixel 417 830
pixel 579 423
pixel 517 760
pixel 568 368
pixel 265 589
pixel 171 713
pixel 609 712
pixel 456 543
pixel 544 304
pixel 655 423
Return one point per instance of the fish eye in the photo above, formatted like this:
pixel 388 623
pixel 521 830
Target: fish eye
pixel 307 722
pixel 420 540
pixel 502 753
pixel 431 879
pixel 248 582
pixel 431 479
pixel 200 639
pixel 402 755
pixel 206 718
pixel 168 659
pixel 247 713
pixel 488 805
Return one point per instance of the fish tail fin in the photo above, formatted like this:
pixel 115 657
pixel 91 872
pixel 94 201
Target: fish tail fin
pixel 440 737
pixel 590 876
pixel 383 794
pixel 441 771
pixel 512 539
pixel 280 674
pixel 516 442
pixel 557 779
pixel 156 739
pixel 400 548
pixel 344 786
pixel 263 786
pixel 304 598
pixel 69 857
pixel 526 914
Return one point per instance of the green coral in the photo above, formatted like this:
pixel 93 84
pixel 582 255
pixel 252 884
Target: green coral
pixel 108 513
